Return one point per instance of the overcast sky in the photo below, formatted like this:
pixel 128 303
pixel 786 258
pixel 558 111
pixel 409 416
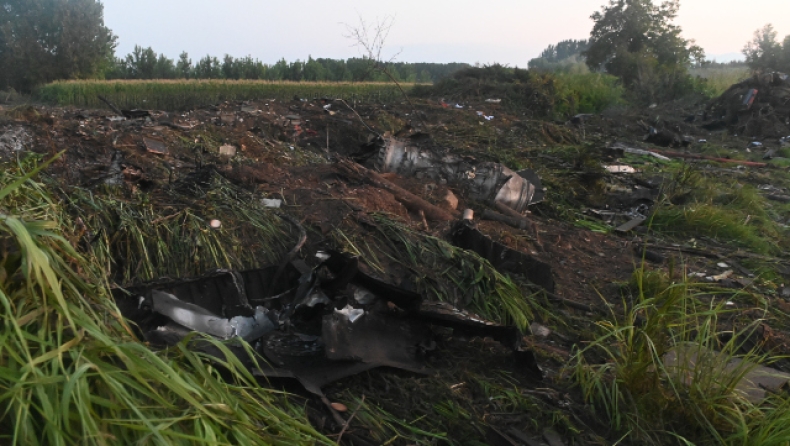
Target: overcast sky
pixel 505 31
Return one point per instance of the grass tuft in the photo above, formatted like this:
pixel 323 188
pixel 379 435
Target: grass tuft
pixel 73 374
pixel 626 375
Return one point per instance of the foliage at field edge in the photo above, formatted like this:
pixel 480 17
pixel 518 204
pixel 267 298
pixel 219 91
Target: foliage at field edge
pixel 186 94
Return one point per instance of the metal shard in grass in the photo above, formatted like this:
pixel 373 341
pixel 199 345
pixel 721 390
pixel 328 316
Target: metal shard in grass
pixel 311 328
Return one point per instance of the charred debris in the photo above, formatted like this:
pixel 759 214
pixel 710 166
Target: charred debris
pixel 338 295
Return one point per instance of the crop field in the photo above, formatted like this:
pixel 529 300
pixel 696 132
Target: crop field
pixel 720 78
pixel 183 94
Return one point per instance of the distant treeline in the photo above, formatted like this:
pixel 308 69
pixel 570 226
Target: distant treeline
pixel 145 63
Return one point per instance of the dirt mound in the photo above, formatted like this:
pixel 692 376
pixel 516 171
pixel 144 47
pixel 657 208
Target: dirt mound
pixel 757 107
pixel 516 89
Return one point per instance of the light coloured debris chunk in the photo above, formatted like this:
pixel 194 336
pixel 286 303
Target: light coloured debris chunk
pixel 227 150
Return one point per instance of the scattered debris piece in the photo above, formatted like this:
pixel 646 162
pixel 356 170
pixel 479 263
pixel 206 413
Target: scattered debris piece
pixel 631 224
pixel 539 330
pixel 155 146
pixel 626 149
pixel 720 277
pixel 340 407
pixel 280 320
pixel 488 182
pixel 619 168
pixel 465 235
pixel 271 202
pixel 755 382
pixel 14 140
pixel 227 150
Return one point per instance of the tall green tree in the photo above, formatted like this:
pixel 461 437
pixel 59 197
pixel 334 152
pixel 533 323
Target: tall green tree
pixel 45 40
pixel 765 53
pixel 184 66
pixel 636 41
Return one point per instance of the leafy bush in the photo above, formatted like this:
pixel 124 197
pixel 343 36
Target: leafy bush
pixel 538 93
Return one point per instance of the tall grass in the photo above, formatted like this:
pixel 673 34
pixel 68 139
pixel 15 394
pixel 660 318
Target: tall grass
pixel 185 94
pixel 719 79
pixel 731 212
pixel 71 373
pixel 626 375
pixel 134 239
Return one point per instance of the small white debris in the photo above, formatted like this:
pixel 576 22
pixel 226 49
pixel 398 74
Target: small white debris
pixel 722 265
pixel 227 150
pixel 351 313
pixel 216 224
pixel 720 277
pixel 271 202
pixel 539 330
pixel 619 168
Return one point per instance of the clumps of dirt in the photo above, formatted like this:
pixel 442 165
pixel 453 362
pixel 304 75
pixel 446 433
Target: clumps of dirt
pixel 757 107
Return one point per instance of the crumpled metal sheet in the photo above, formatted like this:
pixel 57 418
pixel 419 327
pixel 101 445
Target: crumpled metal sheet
pixel 319 326
pixel 465 235
pixel 199 319
pixel 483 181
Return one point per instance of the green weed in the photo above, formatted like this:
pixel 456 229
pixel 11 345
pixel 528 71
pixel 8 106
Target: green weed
pixel 626 375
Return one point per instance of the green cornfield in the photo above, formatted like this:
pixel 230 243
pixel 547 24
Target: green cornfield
pixel 186 94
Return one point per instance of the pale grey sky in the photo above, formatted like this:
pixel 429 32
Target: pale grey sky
pixel 505 31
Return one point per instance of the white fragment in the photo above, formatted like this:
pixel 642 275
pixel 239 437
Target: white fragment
pixel 619 168
pixel 722 265
pixel 722 276
pixel 271 202
pixel 216 224
pixel 227 150
pixel 539 330
pixel 351 313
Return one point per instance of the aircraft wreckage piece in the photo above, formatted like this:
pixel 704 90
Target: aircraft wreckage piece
pixel 483 181
pixel 321 324
pixel 466 235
